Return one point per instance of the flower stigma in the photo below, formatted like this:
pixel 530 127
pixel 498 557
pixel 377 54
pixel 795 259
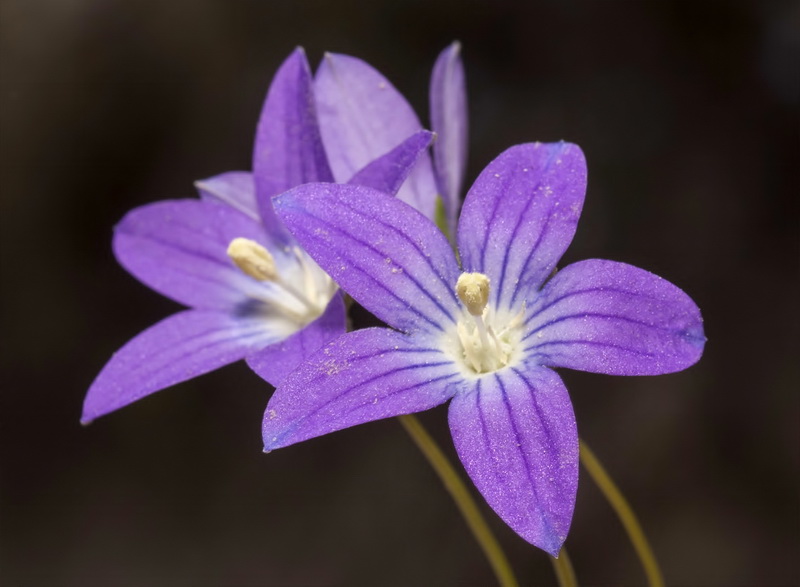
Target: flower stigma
pixel 301 305
pixel 486 339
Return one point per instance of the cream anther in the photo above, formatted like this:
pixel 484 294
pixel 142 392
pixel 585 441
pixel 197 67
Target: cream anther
pixel 485 339
pixel 253 259
pixel 473 290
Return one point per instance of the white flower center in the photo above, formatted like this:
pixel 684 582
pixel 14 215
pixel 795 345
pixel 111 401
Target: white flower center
pixel 485 340
pixel 300 291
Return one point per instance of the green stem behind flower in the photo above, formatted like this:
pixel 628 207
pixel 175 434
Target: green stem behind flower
pixel 625 514
pixel 469 510
pixel 563 569
pixel 472 515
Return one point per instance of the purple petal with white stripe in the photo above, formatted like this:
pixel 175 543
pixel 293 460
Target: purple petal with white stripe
pixel 234 188
pixel 388 256
pixel 276 361
pixel 179 248
pixel 449 121
pixel 613 318
pixel 515 433
pixel 288 148
pixel 361 117
pixel 520 216
pixel 176 349
pixel 387 173
pixel 360 377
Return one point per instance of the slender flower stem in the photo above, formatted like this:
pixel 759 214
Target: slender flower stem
pixel 625 514
pixel 563 569
pixel 469 510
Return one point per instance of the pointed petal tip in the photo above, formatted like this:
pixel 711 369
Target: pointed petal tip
pixel 272 441
pixel 297 59
pixel 425 137
pixel 271 435
pixel 549 542
pixel 554 552
pixel 214 183
pixel 297 53
pixel 697 337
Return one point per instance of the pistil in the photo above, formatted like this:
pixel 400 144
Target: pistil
pixel 481 347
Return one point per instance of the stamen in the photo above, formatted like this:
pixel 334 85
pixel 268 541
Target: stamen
pixel 481 327
pixel 253 259
pixel 473 290
pixel 317 293
pixel 499 346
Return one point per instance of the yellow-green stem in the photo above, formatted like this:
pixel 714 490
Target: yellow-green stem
pixel 563 569
pixel 625 514
pixel 469 509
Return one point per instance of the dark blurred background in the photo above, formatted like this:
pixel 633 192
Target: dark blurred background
pixel 687 113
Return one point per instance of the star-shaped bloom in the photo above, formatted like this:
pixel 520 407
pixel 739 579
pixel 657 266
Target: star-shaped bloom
pixel 252 291
pixel 485 332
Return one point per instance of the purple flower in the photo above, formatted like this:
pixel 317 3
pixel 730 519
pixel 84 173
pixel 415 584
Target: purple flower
pixel 485 333
pixel 252 291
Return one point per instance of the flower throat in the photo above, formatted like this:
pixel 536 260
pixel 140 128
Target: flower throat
pixel 484 349
pixel 299 305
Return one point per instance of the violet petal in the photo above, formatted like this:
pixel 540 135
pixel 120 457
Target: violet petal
pixel 234 188
pixel 179 248
pixel 176 349
pixel 288 148
pixel 449 121
pixel 276 361
pixel 362 116
pixel 520 216
pixel 608 317
pixel 387 173
pixel 362 376
pixel 515 433
pixel 385 254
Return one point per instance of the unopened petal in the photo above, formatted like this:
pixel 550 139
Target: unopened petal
pixel 288 148
pixel 608 317
pixel 449 121
pixel 515 433
pixel 360 377
pixel 362 116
